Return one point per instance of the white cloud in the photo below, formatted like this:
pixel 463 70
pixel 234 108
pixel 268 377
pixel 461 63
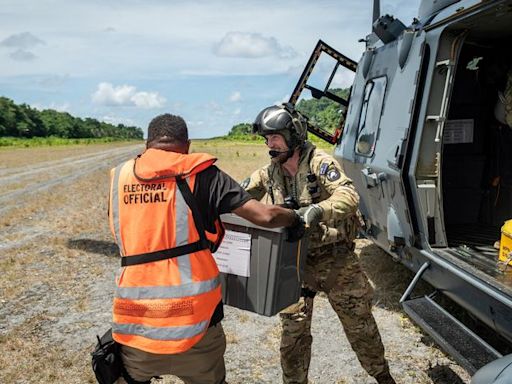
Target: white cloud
pixel 126 95
pixel 215 108
pixel 201 72
pixel 106 94
pixel 52 81
pixel 64 107
pixel 177 106
pixel 162 46
pixel 22 55
pixel 251 45
pixel 21 40
pixel 285 99
pixel 235 96
pixel 85 43
pixel 115 120
pixel 343 79
pixel 148 100
pixel 237 111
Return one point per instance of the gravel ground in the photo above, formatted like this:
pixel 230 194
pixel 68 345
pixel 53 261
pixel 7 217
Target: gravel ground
pixel 58 261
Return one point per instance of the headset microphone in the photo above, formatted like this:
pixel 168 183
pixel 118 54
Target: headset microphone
pixel 274 153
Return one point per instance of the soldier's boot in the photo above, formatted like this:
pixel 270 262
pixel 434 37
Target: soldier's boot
pixel 385 378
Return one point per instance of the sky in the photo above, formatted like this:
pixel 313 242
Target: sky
pixel 215 63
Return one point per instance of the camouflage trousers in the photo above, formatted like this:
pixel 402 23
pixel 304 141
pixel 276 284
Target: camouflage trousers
pixel 350 295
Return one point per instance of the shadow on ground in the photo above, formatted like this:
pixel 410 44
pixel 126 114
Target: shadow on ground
pixel 102 247
pixel 443 374
pixel 390 278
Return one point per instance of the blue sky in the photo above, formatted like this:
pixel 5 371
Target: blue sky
pixel 216 63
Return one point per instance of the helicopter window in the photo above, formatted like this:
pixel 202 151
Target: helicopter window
pixel 327 77
pixel 370 115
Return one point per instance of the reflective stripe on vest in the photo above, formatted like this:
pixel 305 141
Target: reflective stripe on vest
pixel 163 306
pixel 182 236
pixel 161 333
pixel 115 208
pixel 168 292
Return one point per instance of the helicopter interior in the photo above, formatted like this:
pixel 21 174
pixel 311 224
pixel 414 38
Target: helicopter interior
pixel 477 152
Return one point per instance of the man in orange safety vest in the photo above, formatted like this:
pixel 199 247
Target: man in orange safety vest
pixel 164 213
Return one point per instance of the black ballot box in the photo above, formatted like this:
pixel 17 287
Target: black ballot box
pixel 263 271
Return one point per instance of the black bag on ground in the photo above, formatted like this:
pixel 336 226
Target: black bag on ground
pixel 106 359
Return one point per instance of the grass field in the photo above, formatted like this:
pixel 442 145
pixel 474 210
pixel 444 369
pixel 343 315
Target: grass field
pixel 51 141
pixel 239 158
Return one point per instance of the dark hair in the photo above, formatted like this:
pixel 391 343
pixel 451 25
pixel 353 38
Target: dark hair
pixel 172 127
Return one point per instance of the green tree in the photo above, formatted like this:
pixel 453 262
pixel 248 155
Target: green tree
pixel 241 129
pixel 25 121
pixel 324 112
pixel 7 117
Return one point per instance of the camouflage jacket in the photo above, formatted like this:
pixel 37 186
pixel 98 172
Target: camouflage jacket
pixel 336 194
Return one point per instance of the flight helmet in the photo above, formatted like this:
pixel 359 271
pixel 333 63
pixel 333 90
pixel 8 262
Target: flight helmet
pixel 284 120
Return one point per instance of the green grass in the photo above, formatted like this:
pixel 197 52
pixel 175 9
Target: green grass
pixel 255 139
pixel 17 142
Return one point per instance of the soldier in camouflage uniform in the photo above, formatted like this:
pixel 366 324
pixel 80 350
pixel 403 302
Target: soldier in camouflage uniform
pixel 328 202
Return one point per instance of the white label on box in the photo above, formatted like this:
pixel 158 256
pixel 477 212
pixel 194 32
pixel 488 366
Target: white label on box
pixel 458 131
pixel 234 254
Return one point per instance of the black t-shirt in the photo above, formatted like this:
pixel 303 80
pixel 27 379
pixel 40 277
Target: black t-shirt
pixel 217 193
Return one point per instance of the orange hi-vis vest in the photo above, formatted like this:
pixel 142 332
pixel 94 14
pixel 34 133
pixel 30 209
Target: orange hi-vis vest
pixel 169 286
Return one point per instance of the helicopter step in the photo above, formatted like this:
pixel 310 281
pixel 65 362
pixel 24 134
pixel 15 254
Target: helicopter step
pixel 469 350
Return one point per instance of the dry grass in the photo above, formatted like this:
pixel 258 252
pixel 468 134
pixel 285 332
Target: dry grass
pixel 44 280
pixel 231 338
pixel 24 359
pixel 18 157
pixel 239 160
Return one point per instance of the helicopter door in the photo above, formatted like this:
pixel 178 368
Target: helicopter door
pixel 329 86
pixel 374 147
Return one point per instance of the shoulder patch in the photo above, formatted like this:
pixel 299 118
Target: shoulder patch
pixel 333 174
pixel 244 184
pixel 323 168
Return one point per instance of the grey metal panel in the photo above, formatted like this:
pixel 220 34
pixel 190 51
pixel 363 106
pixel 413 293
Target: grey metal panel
pixel 432 40
pixel 460 9
pixel 486 302
pixel 430 7
pixel 497 372
pixel 392 134
pixel 467 348
pixel 274 280
pixel 231 218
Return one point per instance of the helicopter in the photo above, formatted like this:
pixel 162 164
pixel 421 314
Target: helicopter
pixel 421 138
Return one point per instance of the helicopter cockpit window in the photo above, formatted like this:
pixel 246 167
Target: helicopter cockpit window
pixel 329 86
pixel 369 118
pixel 327 79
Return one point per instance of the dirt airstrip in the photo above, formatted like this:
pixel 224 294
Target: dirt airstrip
pixel 57 264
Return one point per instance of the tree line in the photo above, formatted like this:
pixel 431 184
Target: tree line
pixel 25 121
pixel 322 112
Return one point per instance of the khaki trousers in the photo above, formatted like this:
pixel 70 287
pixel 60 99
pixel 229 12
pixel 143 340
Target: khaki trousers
pixel 202 364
